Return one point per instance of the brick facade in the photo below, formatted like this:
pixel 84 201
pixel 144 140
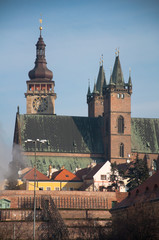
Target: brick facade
pixel 96 106
pixel 77 210
pixel 117 103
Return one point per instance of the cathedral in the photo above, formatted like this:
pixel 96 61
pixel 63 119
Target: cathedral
pixel 108 133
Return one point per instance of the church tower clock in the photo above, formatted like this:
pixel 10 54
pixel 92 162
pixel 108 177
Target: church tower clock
pixel 40 96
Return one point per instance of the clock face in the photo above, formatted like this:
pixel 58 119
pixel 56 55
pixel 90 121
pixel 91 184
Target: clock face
pixel 40 104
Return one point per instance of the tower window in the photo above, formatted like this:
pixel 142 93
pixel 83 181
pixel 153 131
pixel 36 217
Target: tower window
pixel 120 124
pixel 118 95
pixel 121 150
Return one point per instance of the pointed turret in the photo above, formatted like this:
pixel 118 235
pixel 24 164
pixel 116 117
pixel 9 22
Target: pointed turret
pixel 111 83
pixel 117 75
pixel 89 90
pixel 95 99
pixel 40 71
pixel 101 80
pixel 95 92
pixel 130 82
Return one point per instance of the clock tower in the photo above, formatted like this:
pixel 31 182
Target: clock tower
pixel 40 96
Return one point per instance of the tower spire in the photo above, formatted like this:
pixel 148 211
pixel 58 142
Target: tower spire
pixel 89 90
pixel 101 80
pixel 130 82
pixel 40 71
pixel 117 75
pixel 40 95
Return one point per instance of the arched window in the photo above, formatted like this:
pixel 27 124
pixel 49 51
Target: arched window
pixel 121 150
pixel 120 124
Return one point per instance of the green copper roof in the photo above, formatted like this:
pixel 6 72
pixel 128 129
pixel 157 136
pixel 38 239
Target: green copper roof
pixel 145 135
pixel 65 134
pixel 70 163
pixel 101 80
pixel 117 75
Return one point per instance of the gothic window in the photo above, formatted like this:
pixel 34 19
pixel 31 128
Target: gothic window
pixel 121 150
pixel 120 124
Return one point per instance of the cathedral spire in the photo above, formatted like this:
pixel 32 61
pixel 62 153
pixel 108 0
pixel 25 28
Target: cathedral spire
pixel 89 90
pixel 117 75
pixel 130 82
pixel 95 89
pixel 40 71
pixel 101 80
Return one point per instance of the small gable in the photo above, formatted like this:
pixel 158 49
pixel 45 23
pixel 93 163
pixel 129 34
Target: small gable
pixel 64 175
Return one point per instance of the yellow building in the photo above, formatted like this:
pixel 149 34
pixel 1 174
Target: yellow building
pixel 62 180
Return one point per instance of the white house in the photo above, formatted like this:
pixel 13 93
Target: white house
pixel 100 177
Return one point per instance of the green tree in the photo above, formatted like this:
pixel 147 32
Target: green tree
pixel 137 174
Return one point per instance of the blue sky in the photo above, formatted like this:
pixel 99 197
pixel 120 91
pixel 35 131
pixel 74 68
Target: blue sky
pixel 76 33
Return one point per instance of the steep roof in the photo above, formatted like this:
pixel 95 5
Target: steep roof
pixel 68 134
pixel 117 75
pixel 149 190
pixel 65 134
pixel 81 173
pixel 64 175
pixel 101 80
pixel 39 176
pixel 94 170
pixel 145 135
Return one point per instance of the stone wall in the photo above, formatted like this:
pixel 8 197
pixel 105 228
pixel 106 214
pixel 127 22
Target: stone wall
pixel 139 221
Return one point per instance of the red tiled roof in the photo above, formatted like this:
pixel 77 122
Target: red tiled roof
pixel 39 176
pixel 64 175
pixel 149 190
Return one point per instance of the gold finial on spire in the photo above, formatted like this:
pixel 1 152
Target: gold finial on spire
pixel 40 20
pixel 117 51
pixel 100 62
pixel 102 59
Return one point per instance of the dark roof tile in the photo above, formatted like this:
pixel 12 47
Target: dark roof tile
pixel 145 135
pixel 65 133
